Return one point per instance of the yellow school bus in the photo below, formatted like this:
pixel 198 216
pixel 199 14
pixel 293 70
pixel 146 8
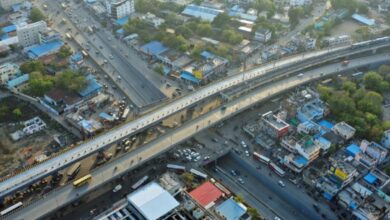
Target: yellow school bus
pixel 83 180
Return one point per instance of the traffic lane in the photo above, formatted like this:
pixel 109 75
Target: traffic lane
pixel 232 161
pixel 263 193
pixel 253 201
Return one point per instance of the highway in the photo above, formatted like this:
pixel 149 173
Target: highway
pixel 66 194
pixel 100 142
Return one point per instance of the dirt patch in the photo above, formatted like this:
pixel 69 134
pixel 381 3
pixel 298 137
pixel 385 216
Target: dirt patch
pixel 13 109
pixel 346 27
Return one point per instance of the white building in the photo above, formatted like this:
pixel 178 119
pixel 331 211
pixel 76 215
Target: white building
pixel 152 19
pixel 30 34
pixel 8 71
pixel 120 8
pixel 295 3
pixel 338 40
pixel 7 4
pixel 374 150
pixel 386 139
pixel 263 35
pixel 344 130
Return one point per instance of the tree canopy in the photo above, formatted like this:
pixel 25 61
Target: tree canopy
pixel 36 15
pixel 32 66
pixel 70 81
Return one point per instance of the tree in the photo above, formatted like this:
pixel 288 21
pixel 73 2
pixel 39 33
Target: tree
pixel 371 102
pixel 384 69
pixel 222 20
pixel 239 198
pixel 17 112
pixel 204 29
pixel 39 84
pixel 36 15
pixel 372 80
pixel 325 92
pixel 349 86
pixel 159 69
pixel 254 213
pixel 32 66
pixel 70 81
pixel 232 37
pixel 295 14
pixel 363 8
pixel 340 103
pixel 188 178
pixel 64 51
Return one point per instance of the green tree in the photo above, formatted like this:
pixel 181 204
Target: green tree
pixel 254 213
pixel 363 8
pixel 325 92
pixel 384 69
pixel 372 80
pixel 159 69
pixel 70 80
pixel 188 178
pixel 371 102
pixel 39 84
pixel 222 20
pixel 263 5
pixel 295 14
pixel 349 86
pixel 32 66
pixel 340 103
pixel 204 29
pixel 184 31
pixel 65 51
pixel 232 37
pixel 17 112
pixel 239 198
pixel 36 15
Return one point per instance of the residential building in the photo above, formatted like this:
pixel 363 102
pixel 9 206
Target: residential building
pixel 294 162
pixel 237 11
pixel 374 150
pixel 202 12
pixel 7 4
pixel 59 101
pixel 306 147
pixel 313 110
pixel 120 8
pixel 323 143
pixel 231 210
pixel 8 71
pixel 296 3
pixel 31 126
pixel 206 194
pixel 152 19
pixel 342 172
pixel 338 40
pixel 344 130
pixel 263 35
pixel 386 139
pixel 273 125
pixel 308 127
pixel 30 34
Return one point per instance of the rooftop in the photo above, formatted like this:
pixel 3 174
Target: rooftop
pixel 231 210
pixel 363 19
pixel 152 201
pixel 92 86
pixel 206 194
pixel 40 50
pixel 154 48
pixel 274 121
pixel 204 13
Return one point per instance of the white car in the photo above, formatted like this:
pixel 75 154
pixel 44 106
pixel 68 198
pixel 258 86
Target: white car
pixel 247 153
pixel 117 188
pixel 281 183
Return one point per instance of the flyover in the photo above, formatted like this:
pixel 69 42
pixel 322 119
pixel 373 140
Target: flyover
pixel 47 167
pixel 66 194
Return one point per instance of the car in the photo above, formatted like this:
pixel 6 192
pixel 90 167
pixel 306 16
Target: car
pixel 117 188
pixel 243 144
pixel 206 158
pixel 247 153
pixel 111 57
pixel 277 218
pixel 281 183
pixel 240 180
pixel 233 173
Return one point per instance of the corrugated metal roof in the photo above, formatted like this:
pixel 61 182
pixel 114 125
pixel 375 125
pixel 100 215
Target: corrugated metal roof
pixel 154 48
pixel 231 210
pixel 152 201
pixel 206 193
pixel 204 13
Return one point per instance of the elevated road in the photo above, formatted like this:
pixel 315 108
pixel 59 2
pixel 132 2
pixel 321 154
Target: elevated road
pixel 62 196
pixel 43 169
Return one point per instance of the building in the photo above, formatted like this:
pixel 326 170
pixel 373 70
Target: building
pixel 263 35
pixel 41 50
pixel 231 210
pixel 31 126
pixel 342 173
pixel 29 34
pixel 386 139
pixel 120 8
pixel 8 71
pixel 344 130
pixel 323 143
pixel 152 202
pixel 308 127
pixel 59 101
pixel 363 19
pixel 237 11
pixel 170 182
pixel 313 110
pixel 296 3
pixel 152 19
pixel 206 194
pixel 7 4
pixel 374 150
pixel 202 12
pixel 273 125
pixel 306 147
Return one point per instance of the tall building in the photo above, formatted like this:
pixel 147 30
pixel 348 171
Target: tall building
pixel 30 34
pixel 7 4
pixel 120 8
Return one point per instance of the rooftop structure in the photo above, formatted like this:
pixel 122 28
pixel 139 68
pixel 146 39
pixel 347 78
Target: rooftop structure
pixel 313 110
pixel 344 172
pixel 374 150
pixel 273 126
pixel 263 35
pixel 206 194
pixel 204 13
pixel 386 139
pixel 8 71
pixel 170 182
pixel 231 210
pixel 154 48
pixel 236 11
pixel 31 126
pixel 92 88
pixel 152 201
pixel 40 50
pixel 344 130
pixel 307 148
pixel 363 19
pixel 152 19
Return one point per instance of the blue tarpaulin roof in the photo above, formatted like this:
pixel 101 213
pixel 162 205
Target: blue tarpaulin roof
pixel 204 13
pixel 76 57
pixel 301 160
pixel 327 196
pixel 120 31
pixel 230 209
pixel 154 48
pixel 9 28
pixel 17 81
pixel 326 124
pixel 92 86
pixel 363 19
pixel 370 178
pixel 353 149
pixel 122 21
pixel 189 77
pixel 106 116
pixel 44 49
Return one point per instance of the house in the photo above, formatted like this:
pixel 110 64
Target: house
pixel 206 194
pixel 31 126
pixel 386 139
pixel 306 147
pixel 231 210
pixel 152 19
pixel 308 127
pixel 323 143
pixel 374 150
pixel 342 172
pixel 202 12
pixel 92 88
pixel 8 71
pixel 344 130
pixel 273 125
pixel 313 110
pixel 263 35
pixel 58 101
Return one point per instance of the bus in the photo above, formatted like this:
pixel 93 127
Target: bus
pixel 261 158
pixel 357 75
pixel 140 182
pixel 326 81
pixel 73 170
pixel 277 169
pixel 85 54
pixel 11 208
pixel 176 167
pixel 68 36
pixel 198 173
pixel 90 29
pixel 82 181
